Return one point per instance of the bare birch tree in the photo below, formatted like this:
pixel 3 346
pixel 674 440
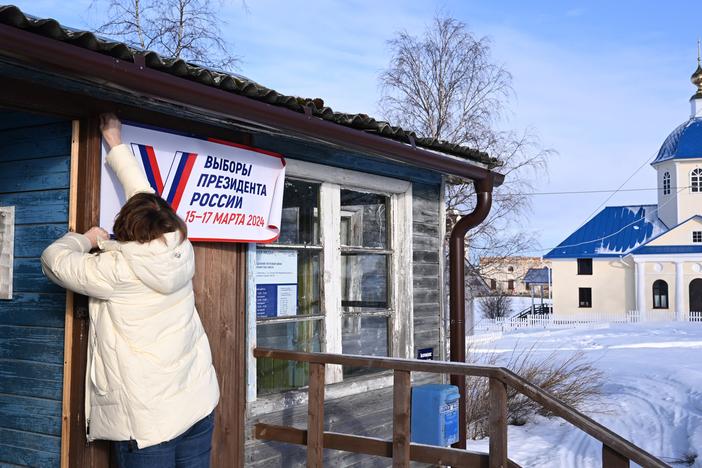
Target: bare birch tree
pixel 184 29
pixel 445 85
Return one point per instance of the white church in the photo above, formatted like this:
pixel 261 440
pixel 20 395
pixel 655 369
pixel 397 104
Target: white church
pixel 643 258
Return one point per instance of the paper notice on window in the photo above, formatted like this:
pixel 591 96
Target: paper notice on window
pixel 276 283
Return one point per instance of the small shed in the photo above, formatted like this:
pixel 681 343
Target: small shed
pixel 363 221
pixel 541 278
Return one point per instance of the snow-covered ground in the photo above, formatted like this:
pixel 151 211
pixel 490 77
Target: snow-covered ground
pixel 652 394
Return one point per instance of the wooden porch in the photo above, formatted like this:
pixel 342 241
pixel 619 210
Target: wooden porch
pixel 617 452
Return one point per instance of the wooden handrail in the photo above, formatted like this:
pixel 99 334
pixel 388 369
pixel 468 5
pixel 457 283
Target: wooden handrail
pixel 616 451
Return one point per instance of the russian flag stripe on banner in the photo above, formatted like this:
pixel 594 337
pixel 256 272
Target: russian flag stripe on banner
pixel 225 192
pixel 148 160
pixel 180 180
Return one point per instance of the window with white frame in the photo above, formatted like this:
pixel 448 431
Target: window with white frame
pixel 349 234
pixel 298 325
pixel 696 236
pixel 696 180
pixel 666 183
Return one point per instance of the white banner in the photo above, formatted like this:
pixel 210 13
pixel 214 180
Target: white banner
pixel 224 191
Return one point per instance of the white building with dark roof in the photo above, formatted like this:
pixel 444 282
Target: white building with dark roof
pixel 644 258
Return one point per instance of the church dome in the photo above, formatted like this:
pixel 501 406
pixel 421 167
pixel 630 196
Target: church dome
pixel 684 143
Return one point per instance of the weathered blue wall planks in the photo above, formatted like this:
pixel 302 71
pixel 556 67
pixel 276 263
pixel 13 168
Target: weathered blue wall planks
pixel 34 178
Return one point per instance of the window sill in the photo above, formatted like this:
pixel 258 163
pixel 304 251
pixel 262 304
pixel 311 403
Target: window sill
pixel 273 402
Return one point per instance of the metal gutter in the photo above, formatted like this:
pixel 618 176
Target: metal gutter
pixel 457 295
pixel 71 59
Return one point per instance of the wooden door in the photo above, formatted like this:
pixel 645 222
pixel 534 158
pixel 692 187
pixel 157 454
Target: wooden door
pixel 220 298
pixel 219 285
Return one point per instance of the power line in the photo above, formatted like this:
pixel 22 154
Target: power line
pixel 596 210
pixel 600 239
pixel 585 192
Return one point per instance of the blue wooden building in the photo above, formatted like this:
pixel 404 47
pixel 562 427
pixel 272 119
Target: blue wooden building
pixel 362 213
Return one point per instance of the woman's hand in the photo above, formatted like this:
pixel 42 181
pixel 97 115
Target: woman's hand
pixel 95 233
pixel 111 129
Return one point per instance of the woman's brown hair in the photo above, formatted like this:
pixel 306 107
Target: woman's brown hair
pixel 146 217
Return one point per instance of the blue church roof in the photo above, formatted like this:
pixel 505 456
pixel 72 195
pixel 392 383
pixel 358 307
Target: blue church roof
pixel 684 143
pixel 667 249
pixel 614 231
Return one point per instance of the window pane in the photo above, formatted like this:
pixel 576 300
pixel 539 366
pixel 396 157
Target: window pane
pixel 585 297
pixel 365 335
pixel 364 219
pixel 300 219
pixel 584 266
pixel 272 289
pixel 273 375
pixel 364 280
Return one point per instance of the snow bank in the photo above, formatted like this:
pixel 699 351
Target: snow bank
pixel 652 394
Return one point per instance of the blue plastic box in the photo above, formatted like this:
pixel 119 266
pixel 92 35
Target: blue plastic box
pixel 435 414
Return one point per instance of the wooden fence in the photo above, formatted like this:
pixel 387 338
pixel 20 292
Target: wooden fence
pixel 590 319
pixel 616 451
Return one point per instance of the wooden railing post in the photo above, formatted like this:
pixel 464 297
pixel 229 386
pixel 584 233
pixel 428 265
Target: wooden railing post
pixel 613 459
pixel 401 419
pixel 315 416
pixel 497 422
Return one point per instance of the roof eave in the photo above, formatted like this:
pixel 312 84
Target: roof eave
pixel 67 58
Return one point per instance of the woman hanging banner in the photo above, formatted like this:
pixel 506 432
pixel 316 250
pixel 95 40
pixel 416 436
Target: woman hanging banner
pixel 224 191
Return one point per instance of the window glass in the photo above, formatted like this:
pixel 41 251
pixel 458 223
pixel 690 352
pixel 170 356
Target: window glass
pixel 585 297
pixel 364 280
pixel 696 180
pixel 274 375
pixel 660 294
pixel 307 286
pixel 364 335
pixel 300 217
pixel 584 266
pixel 666 183
pixel 364 220
pixel 696 236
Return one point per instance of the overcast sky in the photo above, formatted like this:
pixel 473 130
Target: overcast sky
pixel 602 83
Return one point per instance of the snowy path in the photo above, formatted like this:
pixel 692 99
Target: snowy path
pixel 652 394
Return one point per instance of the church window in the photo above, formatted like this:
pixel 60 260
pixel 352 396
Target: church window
pixel 584 266
pixel 697 236
pixel 585 297
pixel 696 180
pixel 660 294
pixel 666 183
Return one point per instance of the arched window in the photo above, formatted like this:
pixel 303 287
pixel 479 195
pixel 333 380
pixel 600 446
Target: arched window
pixel 660 294
pixel 696 180
pixel 510 269
pixel 666 183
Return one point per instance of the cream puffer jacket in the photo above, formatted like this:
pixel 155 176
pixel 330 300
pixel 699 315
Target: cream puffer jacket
pixel 149 373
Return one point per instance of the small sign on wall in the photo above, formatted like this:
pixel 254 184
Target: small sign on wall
pixel 7 250
pixel 426 354
pixel 276 283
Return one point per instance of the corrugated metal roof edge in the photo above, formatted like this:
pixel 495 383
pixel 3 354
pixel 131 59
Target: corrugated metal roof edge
pixel 666 249
pixel 13 16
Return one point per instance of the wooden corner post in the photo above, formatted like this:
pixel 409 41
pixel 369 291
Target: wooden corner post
pixel 84 212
